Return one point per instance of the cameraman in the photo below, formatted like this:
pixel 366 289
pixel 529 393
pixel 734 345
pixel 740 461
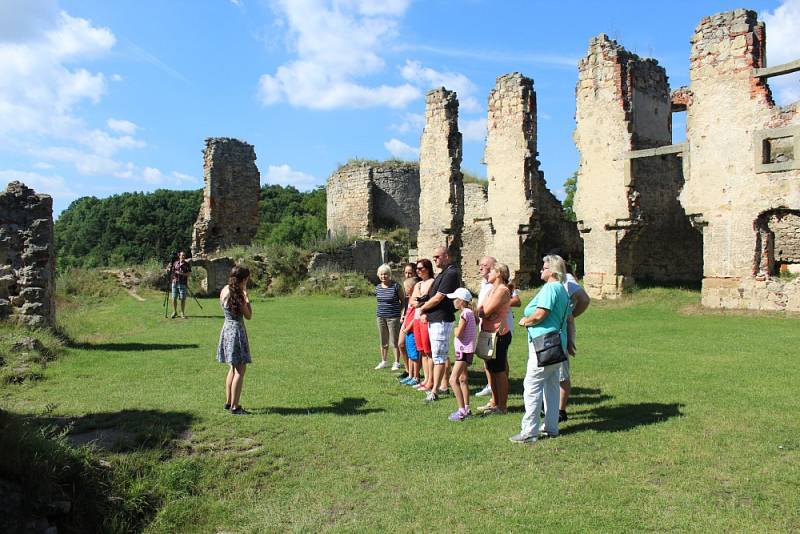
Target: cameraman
pixel 179 276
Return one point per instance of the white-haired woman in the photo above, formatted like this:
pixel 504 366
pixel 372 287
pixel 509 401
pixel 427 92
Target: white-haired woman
pixel 391 301
pixel 546 313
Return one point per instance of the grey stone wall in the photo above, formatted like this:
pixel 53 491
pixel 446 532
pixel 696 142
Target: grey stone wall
pixel 229 213
pixel 441 184
pixel 363 198
pixel 477 234
pixel 27 257
pixel 362 256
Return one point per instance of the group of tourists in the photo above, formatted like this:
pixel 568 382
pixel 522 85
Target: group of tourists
pixel 417 320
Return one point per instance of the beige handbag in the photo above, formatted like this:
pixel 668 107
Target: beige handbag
pixel 486 345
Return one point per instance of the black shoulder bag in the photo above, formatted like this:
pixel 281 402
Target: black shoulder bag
pixel 548 346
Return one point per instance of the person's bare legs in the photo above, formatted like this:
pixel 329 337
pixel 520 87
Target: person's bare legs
pixel 457 379
pixel 500 390
pixel 492 386
pixel 427 366
pixel 237 383
pixel 183 307
pixel 228 382
pixel 566 389
pixel 438 372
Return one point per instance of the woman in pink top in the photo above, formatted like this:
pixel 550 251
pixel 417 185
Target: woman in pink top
pixel 494 318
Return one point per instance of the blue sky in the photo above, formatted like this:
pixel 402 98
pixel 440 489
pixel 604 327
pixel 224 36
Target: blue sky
pixel 101 97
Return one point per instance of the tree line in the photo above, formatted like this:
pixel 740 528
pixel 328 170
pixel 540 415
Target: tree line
pixel 133 228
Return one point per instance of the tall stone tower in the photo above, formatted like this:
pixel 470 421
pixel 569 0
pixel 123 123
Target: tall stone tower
pixel 441 184
pixel 229 214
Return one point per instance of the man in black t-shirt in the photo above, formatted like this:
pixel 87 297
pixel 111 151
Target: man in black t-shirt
pixel 179 276
pixel 439 312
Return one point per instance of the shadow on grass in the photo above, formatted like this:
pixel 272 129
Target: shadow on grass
pixel 622 417
pixel 121 431
pixel 580 396
pixel 133 346
pixel 347 406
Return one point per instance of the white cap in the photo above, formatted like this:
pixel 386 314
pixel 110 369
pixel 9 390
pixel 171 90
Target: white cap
pixel 461 293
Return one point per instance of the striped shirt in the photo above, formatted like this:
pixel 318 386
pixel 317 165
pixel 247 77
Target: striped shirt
pixel 388 300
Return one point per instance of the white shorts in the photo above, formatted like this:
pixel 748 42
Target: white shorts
pixel 440 333
pixel 563 370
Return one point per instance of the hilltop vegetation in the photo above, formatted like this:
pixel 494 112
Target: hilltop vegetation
pixel 134 228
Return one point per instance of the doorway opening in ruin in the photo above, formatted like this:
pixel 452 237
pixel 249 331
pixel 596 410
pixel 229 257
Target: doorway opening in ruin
pixel 198 280
pixel 657 244
pixel 777 250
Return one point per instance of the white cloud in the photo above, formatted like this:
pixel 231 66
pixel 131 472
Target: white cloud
pixel 336 43
pixel 285 175
pixel 42 165
pixel 237 3
pixel 116 77
pixel 52 185
pixel 427 77
pixel 182 178
pixel 784 46
pixel 411 122
pixel 122 126
pixel 473 130
pixel 400 149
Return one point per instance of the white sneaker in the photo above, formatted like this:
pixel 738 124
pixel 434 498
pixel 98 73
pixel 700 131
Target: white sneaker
pixel 381 365
pixel 485 392
pixel 396 366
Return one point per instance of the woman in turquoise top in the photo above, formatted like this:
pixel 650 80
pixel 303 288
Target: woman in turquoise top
pixel 546 313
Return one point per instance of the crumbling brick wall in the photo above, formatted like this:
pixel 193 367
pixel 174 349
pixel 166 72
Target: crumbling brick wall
pixel 441 183
pixel 229 213
pixel 633 225
pixel 363 198
pixel 733 182
pixel 27 257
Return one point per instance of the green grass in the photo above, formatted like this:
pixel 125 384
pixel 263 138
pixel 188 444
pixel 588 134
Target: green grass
pixel 680 420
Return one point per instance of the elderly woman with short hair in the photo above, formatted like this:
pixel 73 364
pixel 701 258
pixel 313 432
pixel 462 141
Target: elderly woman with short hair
pixel 546 313
pixel 391 301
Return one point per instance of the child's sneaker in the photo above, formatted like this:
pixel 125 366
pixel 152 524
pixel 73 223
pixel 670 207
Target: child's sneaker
pixel 396 366
pixel 381 365
pixel 432 396
pixel 457 415
pixel 412 382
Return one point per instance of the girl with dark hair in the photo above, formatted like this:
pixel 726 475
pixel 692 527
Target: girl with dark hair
pixel 421 337
pixel 233 348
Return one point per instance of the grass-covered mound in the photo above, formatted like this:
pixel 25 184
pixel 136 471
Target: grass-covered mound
pixel 680 420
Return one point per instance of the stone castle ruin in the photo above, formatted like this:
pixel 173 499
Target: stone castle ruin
pixel 723 207
pixel 364 198
pixel 27 257
pixel 514 217
pixel 229 213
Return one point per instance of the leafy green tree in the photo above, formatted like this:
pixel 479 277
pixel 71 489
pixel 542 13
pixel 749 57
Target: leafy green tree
pixel 570 187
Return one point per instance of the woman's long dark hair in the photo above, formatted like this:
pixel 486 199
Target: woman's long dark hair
pixel 428 267
pixel 235 294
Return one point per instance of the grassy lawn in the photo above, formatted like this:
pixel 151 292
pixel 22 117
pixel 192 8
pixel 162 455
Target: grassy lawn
pixel 680 420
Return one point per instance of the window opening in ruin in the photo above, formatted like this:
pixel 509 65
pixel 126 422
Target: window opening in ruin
pixel 777 250
pixel 678 126
pixel 778 150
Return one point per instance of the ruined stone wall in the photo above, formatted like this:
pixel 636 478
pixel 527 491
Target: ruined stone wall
pixel 476 235
pixel 663 246
pixel 633 225
pixel 527 219
pixel 396 197
pixel 349 201
pixel 27 257
pixel 441 184
pixel 731 180
pixel 786 228
pixel 229 213
pixel 363 198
